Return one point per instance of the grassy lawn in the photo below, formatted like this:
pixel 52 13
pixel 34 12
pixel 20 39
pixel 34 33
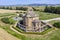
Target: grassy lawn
pixel 40 8
pixel 55 35
pixel 52 22
pixel 7 14
pixel 45 16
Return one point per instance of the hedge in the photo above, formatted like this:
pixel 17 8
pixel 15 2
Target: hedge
pixel 8 20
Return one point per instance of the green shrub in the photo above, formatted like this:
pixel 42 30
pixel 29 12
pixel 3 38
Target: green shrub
pixel 57 24
pixel 8 20
pixel 21 8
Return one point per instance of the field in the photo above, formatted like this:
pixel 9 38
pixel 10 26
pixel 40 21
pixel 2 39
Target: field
pixel 46 16
pixel 41 8
pixel 53 35
pixel 10 11
pixel 5 36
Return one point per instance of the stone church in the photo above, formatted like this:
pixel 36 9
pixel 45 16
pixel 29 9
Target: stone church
pixel 31 22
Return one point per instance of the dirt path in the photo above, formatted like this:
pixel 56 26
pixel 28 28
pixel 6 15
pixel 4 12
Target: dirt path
pixel 5 36
pixel 51 19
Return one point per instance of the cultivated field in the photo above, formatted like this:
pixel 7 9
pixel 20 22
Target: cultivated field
pixel 5 36
pixel 9 11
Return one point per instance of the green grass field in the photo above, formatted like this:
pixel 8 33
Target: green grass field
pixel 52 22
pixel 46 16
pixel 41 8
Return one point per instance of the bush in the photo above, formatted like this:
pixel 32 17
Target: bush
pixel 8 20
pixel 21 8
pixel 57 24
pixel 14 8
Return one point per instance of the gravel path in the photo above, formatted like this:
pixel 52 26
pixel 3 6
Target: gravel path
pixel 51 19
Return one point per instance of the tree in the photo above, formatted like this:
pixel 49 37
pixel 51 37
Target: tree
pixel 58 10
pixel 10 8
pixel 7 7
pixel 21 8
pixel 46 9
pixel 57 24
pixel 3 7
pixel 52 9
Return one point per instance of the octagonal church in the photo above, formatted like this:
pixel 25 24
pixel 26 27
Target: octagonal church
pixel 31 22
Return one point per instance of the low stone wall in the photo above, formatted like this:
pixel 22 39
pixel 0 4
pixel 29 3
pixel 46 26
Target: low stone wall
pixel 21 26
